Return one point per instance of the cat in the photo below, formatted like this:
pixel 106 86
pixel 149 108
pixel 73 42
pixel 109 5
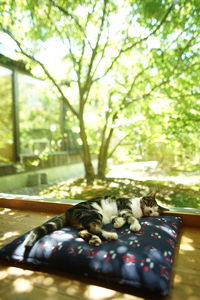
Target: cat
pixel 90 216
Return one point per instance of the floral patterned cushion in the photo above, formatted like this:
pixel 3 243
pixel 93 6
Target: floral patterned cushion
pixel 138 261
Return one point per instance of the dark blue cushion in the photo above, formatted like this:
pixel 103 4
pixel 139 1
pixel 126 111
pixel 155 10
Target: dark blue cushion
pixel 139 261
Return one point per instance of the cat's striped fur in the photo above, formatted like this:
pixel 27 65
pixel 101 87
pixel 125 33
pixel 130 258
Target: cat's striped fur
pixel 90 216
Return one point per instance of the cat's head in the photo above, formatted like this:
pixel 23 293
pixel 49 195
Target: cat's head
pixel 149 205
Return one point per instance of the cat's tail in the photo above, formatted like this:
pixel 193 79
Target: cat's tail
pixel 44 229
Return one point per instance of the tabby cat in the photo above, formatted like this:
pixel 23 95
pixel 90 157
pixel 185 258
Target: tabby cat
pixel 90 216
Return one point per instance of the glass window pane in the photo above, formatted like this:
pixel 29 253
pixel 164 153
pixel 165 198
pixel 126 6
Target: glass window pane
pixel 39 115
pixel 6 122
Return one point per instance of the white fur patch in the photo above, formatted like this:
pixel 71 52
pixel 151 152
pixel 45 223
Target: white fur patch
pixel 108 210
pixel 136 209
pixel 109 235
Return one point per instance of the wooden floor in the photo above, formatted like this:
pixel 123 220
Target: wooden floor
pixel 20 284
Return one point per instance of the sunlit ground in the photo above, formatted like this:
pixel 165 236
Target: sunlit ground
pixel 149 171
pixel 136 179
pixel 26 284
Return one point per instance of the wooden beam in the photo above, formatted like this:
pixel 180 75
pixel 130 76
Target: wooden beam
pixel 58 207
pixel 31 205
pixel 189 219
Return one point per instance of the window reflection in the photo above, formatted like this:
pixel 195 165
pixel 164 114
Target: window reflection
pixel 6 121
pixel 39 117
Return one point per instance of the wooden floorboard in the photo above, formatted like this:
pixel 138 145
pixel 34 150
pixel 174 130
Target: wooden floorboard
pixel 20 284
pixel 186 269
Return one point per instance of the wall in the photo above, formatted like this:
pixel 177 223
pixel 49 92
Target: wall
pixel 12 182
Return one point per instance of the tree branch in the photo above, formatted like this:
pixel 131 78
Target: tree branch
pixel 94 52
pixel 117 145
pixel 84 44
pixel 49 76
pixel 128 94
pixel 102 53
pixel 123 50
pixel 66 13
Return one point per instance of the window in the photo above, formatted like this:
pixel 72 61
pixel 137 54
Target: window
pixel 6 117
pixel 39 117
pixel 35 125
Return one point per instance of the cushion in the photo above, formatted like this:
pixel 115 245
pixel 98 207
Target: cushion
pixel 136 261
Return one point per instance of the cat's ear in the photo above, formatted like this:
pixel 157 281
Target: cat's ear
pixel 152 195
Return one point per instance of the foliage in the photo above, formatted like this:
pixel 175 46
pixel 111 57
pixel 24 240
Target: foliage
pixel 39 117
pixel 6 128
pixel 127 70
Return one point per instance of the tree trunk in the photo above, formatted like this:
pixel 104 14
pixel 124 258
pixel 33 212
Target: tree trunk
pixel 103 156
pixel 86 156
pixel 102 165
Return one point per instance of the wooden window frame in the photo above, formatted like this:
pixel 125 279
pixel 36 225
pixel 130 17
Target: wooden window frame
pixel 28 203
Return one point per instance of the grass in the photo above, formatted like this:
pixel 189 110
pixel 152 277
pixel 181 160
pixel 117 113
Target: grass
pixel 169 193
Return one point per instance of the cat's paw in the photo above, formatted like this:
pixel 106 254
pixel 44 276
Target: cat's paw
pixel 135 226
pixel 110 235
pixel 95 240
pixel 119 222
pixel 84 234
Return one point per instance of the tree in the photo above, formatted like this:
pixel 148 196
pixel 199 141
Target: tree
pixel 115 54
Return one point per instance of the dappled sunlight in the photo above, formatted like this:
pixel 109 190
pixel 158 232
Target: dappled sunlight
pixel 19 282
pixel 128 180
pixel 13 272
pixel 149 171
pixel 74 190
pixel 101 293
pixel 8 235
pixel 182 179
pixel 186 266
pixel 18 271
pixel 132 180
pixel 74 288
pixel 15 222
pixel 177 279
pixel 80 189
pixel 186 244
pixel 52 290
pixel 4 211
pixel 47 281
pixel 21 285
pixel 98 293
